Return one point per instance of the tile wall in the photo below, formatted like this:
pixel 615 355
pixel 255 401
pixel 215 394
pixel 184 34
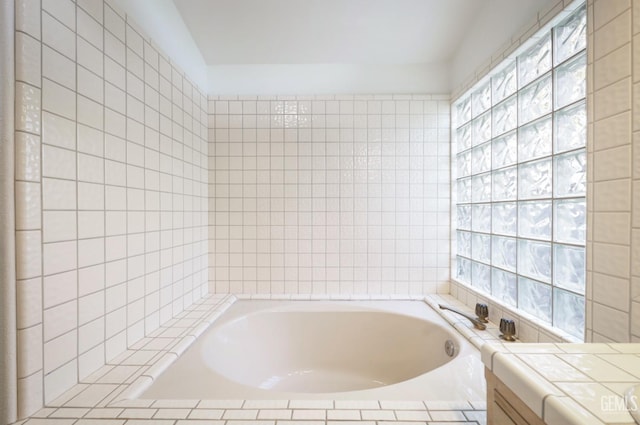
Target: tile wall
pixel 111 191
pixel 329 195
pixel 613 268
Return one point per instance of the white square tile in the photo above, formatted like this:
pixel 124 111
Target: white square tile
pixel 90 335
pixel 90 169
pixel 58 36
pixel 27 157
pixel 114 23
pixel 90 224
pixel 89 29
pixel 90 196
pixel 28 206
pixel 91 307
pixel 64 11
pixel 60 350
pixel 28 63
pixel 58 68
pixel 60 319
pixel 90 252
pixel 90 140
pixel 58 99
pixel 28 108
pixel 28 254
pixel 90 85
pixel 58 381
pixel 28 17
pixel 90 113
pixel 30 350
pixel 29 298
pixel 58 131
pixel 58 162
pixel 59 257
pixel 59 288
pixel 59 226
pixel 90 361
pixel 90 57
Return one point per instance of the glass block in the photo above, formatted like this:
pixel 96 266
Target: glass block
pixel 481 158
pixel 464 164
pixel 464 217
pixel 570 128
pixel 481 131
pixel 463 270
pixel 569 267
pixel 534 259
pixel 503 252
pixel 463 110
pixel 534 100
pixel 464 243
pixel 464 190
pixel 535 298
pixel 505 116
pixel 463 137
pixel 505 184
pixel 568 312
pixel 571 81
pixel 481 247
pixel 481 100
pixel 570 35
pixel 481 277
pixel 534 139
pixel 534 220
pixel 570 222
pixel 535 61
pixel 570 174
pixel 505 218
pixel 535 179
pixel 504 150
pixel 481 188
pixel 481 218
pixel 504 286
pixel 504 83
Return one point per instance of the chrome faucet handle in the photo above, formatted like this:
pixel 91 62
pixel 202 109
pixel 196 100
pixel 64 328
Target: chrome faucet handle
pixel 508 329
pixel 482 312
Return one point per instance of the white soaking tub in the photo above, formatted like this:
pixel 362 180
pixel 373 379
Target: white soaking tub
pixel 382 350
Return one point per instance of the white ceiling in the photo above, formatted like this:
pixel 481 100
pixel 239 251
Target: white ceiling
pixel 327 31
pixel 283 47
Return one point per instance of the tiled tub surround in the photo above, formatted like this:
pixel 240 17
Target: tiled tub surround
pixel 317 349
pixel 102 397
pixel 111 192
pixel 329 195
pixel 569 384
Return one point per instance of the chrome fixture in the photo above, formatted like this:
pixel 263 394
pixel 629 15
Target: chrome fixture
pixel 482 312
pixel 450 348
pixel 508 329
pixel 477 323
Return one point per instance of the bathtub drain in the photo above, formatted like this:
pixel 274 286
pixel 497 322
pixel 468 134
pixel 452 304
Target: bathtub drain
pixel 450 348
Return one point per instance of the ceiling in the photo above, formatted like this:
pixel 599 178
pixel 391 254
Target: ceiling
pixel 267 47
pixel 327 31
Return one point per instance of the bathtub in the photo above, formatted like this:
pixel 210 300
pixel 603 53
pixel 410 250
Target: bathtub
pixel 359 350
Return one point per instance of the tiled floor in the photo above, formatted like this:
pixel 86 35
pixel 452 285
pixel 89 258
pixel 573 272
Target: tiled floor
pixel 108 396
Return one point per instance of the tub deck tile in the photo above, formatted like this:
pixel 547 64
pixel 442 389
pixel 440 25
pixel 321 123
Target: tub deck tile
pixel 309 414
pixel 206 414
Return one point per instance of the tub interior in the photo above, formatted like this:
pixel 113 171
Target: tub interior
pixel 308 349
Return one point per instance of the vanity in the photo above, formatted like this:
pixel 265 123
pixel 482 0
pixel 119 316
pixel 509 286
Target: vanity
pixel 560 384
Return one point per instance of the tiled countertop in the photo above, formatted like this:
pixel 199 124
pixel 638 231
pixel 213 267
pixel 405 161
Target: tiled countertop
pixel 567 384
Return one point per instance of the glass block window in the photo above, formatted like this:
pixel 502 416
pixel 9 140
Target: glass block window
pixel 519 138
